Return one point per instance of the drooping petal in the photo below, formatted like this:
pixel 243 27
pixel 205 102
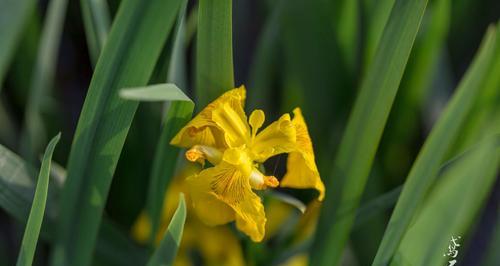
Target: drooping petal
pixel 278 137
pixel 202 130
pixel 229 183
pixel 301 166
pixel 206 204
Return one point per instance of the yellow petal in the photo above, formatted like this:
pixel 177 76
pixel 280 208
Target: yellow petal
pixel 256 120
pixel 233 122
pixel 202 130
pixel 230 184
pixel 207 206
pixel 278 137
pixel 301 167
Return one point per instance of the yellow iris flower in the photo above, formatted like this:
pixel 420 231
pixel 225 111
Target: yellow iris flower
pixel 222 135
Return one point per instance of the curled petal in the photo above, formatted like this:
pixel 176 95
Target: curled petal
pixel 228 184
pixel 301 167
pixel 202 130
pixel 278 137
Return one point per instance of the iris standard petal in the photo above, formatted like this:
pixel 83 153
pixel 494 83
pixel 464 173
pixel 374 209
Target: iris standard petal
pixel 233 123
pixel 202 130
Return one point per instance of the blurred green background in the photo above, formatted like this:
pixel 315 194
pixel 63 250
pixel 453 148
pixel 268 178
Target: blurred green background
pixel 312 54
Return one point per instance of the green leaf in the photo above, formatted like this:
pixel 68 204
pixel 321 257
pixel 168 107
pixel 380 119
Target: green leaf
pixel 486 108
pixel 378 205
pixel 409 106
pixel 33 133
pixel 389 199
pixel 167 250
pixel 137 36
pixel 451 207
pixel 177 65
pixel 179 113
pixel 13 18
pixel 214 50
pixel 32 231
pixel 17 188
pixel 377 14
pixel 152 93
pixel 364 129
pixel 445 131
pixel 96 22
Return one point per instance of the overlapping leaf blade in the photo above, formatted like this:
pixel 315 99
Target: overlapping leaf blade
pixel 457 199
pixel 445 131
pixel 128 58
pixel 165 159
pixel 96 20
pixel 167 250
pixel 17 187
pixel 364 129
pixel 214 50
pixel 34 224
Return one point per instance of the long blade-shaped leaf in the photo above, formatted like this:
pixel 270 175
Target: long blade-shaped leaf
pixel 33 134
pixel 377 14
pixel 179 113
pixel 486 107
pixel 96 20
pixel 166 252
pixel 128 58
pixel 364 129
pixel 456 199
pixel 30 238
pixel 426 166
pixel 214 50
pixel 16 193
pixel 177 65
pixel 13 16
pixel 387 200
pixel 17 187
